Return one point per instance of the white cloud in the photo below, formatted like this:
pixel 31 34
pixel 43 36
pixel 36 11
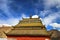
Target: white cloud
pixel 45 12
pixel 51 3
pixel 35 16
pixel 55 25
pixel 4 6
pixel 50 18
pixel 12 21
pixel 24 16
pixel 3 25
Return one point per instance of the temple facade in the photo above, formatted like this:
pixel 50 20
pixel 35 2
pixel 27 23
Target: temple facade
pixel 29 29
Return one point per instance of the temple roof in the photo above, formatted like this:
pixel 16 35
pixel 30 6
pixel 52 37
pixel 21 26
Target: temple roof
pixel 30 26
pixel 5 29
pixel 2 35
pixel 29 32
pixel 30 22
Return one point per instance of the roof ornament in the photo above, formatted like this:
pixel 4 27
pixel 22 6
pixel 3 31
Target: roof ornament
pixel 30 16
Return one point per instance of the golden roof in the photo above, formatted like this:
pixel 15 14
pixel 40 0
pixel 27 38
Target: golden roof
pixel 2 35
pixel 29 26
pixel 28 32
pixel 5 29
pixel 30 22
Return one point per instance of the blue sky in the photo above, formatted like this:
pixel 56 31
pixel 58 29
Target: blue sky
pixel 11 11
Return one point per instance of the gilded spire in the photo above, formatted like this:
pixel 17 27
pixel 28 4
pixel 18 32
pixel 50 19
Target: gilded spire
pixel 30 16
